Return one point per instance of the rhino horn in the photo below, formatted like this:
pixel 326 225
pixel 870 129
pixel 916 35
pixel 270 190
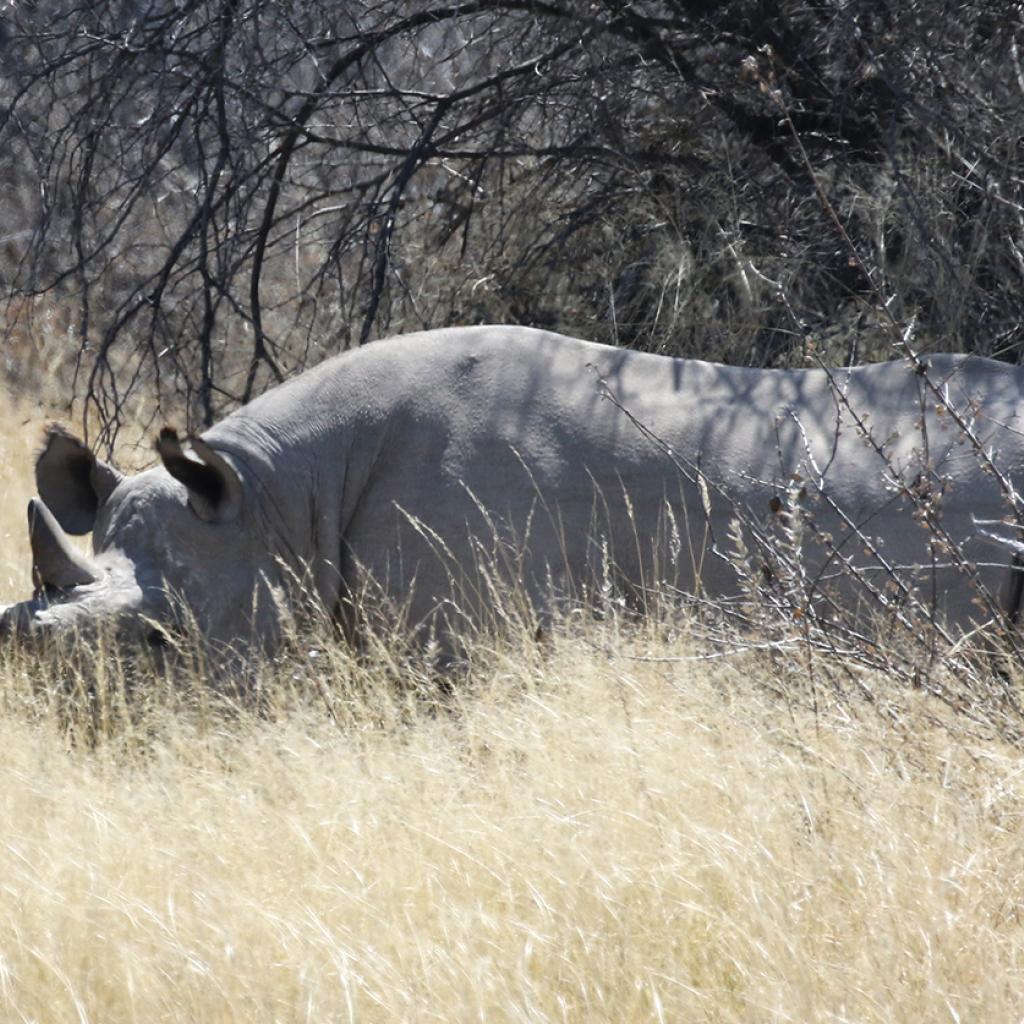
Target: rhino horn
pixel 55 562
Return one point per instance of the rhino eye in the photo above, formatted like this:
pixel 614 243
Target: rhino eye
pixel 48 594
pixel 157 639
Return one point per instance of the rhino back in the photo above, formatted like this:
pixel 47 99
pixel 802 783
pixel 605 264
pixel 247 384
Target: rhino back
pixel 409 456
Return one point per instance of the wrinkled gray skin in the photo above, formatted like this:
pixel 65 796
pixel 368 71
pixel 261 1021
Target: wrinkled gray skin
pixel 402 460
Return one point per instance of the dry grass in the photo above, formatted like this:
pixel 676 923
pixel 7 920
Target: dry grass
pixel 587 838
pixel 21 426
pixel 577 834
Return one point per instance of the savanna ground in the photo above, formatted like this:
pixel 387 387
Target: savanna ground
pixel 614 826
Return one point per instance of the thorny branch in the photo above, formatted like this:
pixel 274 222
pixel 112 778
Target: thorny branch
pixel 212 194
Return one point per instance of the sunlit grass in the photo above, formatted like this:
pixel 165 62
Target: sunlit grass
pixel 21 431
pixel 579 836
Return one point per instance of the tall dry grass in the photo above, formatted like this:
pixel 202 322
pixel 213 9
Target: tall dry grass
pixel 583 836
pixel 614 827
pixel 21 431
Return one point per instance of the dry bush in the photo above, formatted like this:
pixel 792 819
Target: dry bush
pixel 209 196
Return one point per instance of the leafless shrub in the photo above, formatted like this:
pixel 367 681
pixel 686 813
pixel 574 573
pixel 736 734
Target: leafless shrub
pixel 214 195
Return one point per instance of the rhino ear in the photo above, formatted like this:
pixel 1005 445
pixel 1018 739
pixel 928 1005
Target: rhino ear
pixel 72 482
pixel 214 490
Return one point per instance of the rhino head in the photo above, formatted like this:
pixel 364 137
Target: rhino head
pixel 172 545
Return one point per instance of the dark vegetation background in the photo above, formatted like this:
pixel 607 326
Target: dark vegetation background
pixel 203 196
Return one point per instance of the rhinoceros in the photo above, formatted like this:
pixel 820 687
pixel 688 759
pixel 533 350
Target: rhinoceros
pixel 556 464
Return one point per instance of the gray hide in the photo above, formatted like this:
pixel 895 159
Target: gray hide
pixel 569 464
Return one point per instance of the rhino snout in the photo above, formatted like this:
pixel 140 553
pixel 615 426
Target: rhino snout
pixel 16 620
pixel 6 620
